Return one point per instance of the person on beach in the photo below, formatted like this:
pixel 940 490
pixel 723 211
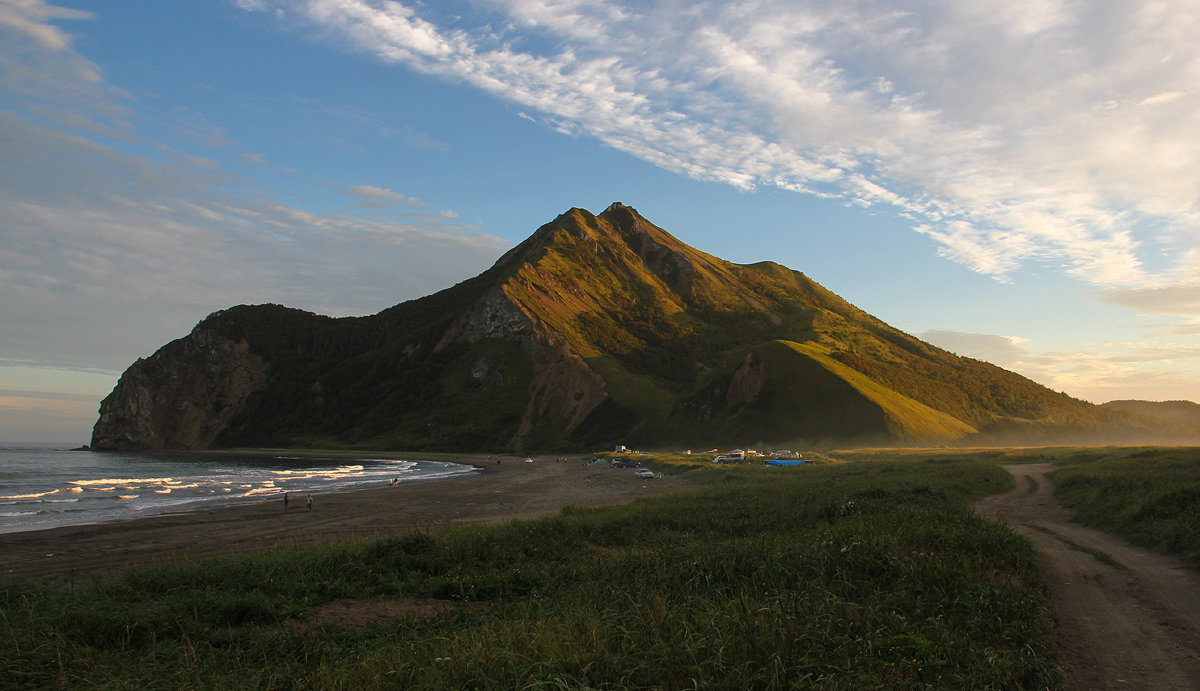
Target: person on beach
pixel 308 500
pixel 285 501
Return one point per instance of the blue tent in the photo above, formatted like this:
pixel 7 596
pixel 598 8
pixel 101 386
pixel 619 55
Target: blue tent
pixel 780 462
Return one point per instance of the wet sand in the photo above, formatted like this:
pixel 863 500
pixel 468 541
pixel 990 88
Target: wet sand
pixel 498 492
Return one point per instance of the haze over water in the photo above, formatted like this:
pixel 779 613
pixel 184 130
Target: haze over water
pixel 46 487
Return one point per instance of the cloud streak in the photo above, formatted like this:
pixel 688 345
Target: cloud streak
pixel 112 245
pixel 1041 133
pixel 1100 372
pixel 164 243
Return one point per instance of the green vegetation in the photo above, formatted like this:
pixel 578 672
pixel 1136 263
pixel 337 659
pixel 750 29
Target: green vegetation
pixel 911 419
pixel 1149 495
pixel 844 576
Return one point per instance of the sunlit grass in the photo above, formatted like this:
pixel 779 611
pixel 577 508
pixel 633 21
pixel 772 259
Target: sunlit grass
pixel 1149 495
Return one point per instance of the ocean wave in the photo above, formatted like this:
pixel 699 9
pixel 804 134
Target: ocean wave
pixel 262 491
pixel 315 472
pixel 32 495
pixel 113 494
pixel 123 481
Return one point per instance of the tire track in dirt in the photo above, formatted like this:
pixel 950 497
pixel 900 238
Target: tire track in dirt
pixel 1127 617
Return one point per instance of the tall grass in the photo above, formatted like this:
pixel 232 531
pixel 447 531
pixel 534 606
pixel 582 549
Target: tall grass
pixel 864 575
pixel 1149 495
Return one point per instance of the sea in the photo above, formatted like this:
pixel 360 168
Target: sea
pixel 48 486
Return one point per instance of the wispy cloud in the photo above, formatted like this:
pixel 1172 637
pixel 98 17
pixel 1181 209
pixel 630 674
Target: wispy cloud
pixel 30 19
pixel 112 245
pixel 379 196
pixel 104 228
pixel 1098 372
pixel 1057 133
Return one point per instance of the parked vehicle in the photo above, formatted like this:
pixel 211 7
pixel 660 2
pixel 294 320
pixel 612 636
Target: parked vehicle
pixel 644 473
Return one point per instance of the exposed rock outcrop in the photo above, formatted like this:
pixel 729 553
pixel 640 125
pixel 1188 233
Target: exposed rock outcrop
pixel 181 397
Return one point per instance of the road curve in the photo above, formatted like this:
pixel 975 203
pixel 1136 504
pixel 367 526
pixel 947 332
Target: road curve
pixel 1127 617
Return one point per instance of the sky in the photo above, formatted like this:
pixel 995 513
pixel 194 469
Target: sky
pixel 1017 182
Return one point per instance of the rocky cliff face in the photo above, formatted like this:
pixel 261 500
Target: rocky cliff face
pixel 181 397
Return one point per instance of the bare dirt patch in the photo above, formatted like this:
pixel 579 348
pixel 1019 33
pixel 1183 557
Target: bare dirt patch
pixel 1128 618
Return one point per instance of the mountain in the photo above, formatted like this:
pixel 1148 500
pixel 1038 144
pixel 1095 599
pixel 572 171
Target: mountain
pixel 1185 412
pixel 595 330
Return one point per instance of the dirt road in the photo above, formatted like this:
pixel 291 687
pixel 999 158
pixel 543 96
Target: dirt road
pixel 1128 618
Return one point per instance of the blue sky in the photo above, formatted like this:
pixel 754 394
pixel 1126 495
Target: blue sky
pixel 1015 182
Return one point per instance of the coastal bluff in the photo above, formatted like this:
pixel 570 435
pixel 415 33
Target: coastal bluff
pixel 182 397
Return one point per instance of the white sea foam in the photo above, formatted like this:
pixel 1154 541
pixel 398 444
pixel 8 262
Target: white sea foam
pixel 70 489
pixel 32 495
pixel 264 491
pixel 122 481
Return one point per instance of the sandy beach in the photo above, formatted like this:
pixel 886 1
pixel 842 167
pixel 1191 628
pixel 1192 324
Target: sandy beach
pixel 510 489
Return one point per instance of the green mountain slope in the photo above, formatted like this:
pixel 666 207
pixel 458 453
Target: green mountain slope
pixel 595 330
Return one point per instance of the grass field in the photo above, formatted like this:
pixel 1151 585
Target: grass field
pixel 871 574
pixel 1149 495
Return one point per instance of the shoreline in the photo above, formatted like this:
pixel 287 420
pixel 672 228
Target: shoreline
pixel 52 488
pixel 509 490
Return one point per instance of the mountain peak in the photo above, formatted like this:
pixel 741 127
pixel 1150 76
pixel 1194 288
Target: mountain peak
pixel 621 214
pixel 595 330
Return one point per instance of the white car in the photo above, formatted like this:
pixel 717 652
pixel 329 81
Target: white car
pixel 644 473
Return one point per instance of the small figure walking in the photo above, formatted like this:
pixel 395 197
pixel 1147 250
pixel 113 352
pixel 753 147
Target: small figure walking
pixel 285 501
pixel 308 500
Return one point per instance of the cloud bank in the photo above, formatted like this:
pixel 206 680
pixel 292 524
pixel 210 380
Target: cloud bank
pixel 1114 370
pixel 1031 134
